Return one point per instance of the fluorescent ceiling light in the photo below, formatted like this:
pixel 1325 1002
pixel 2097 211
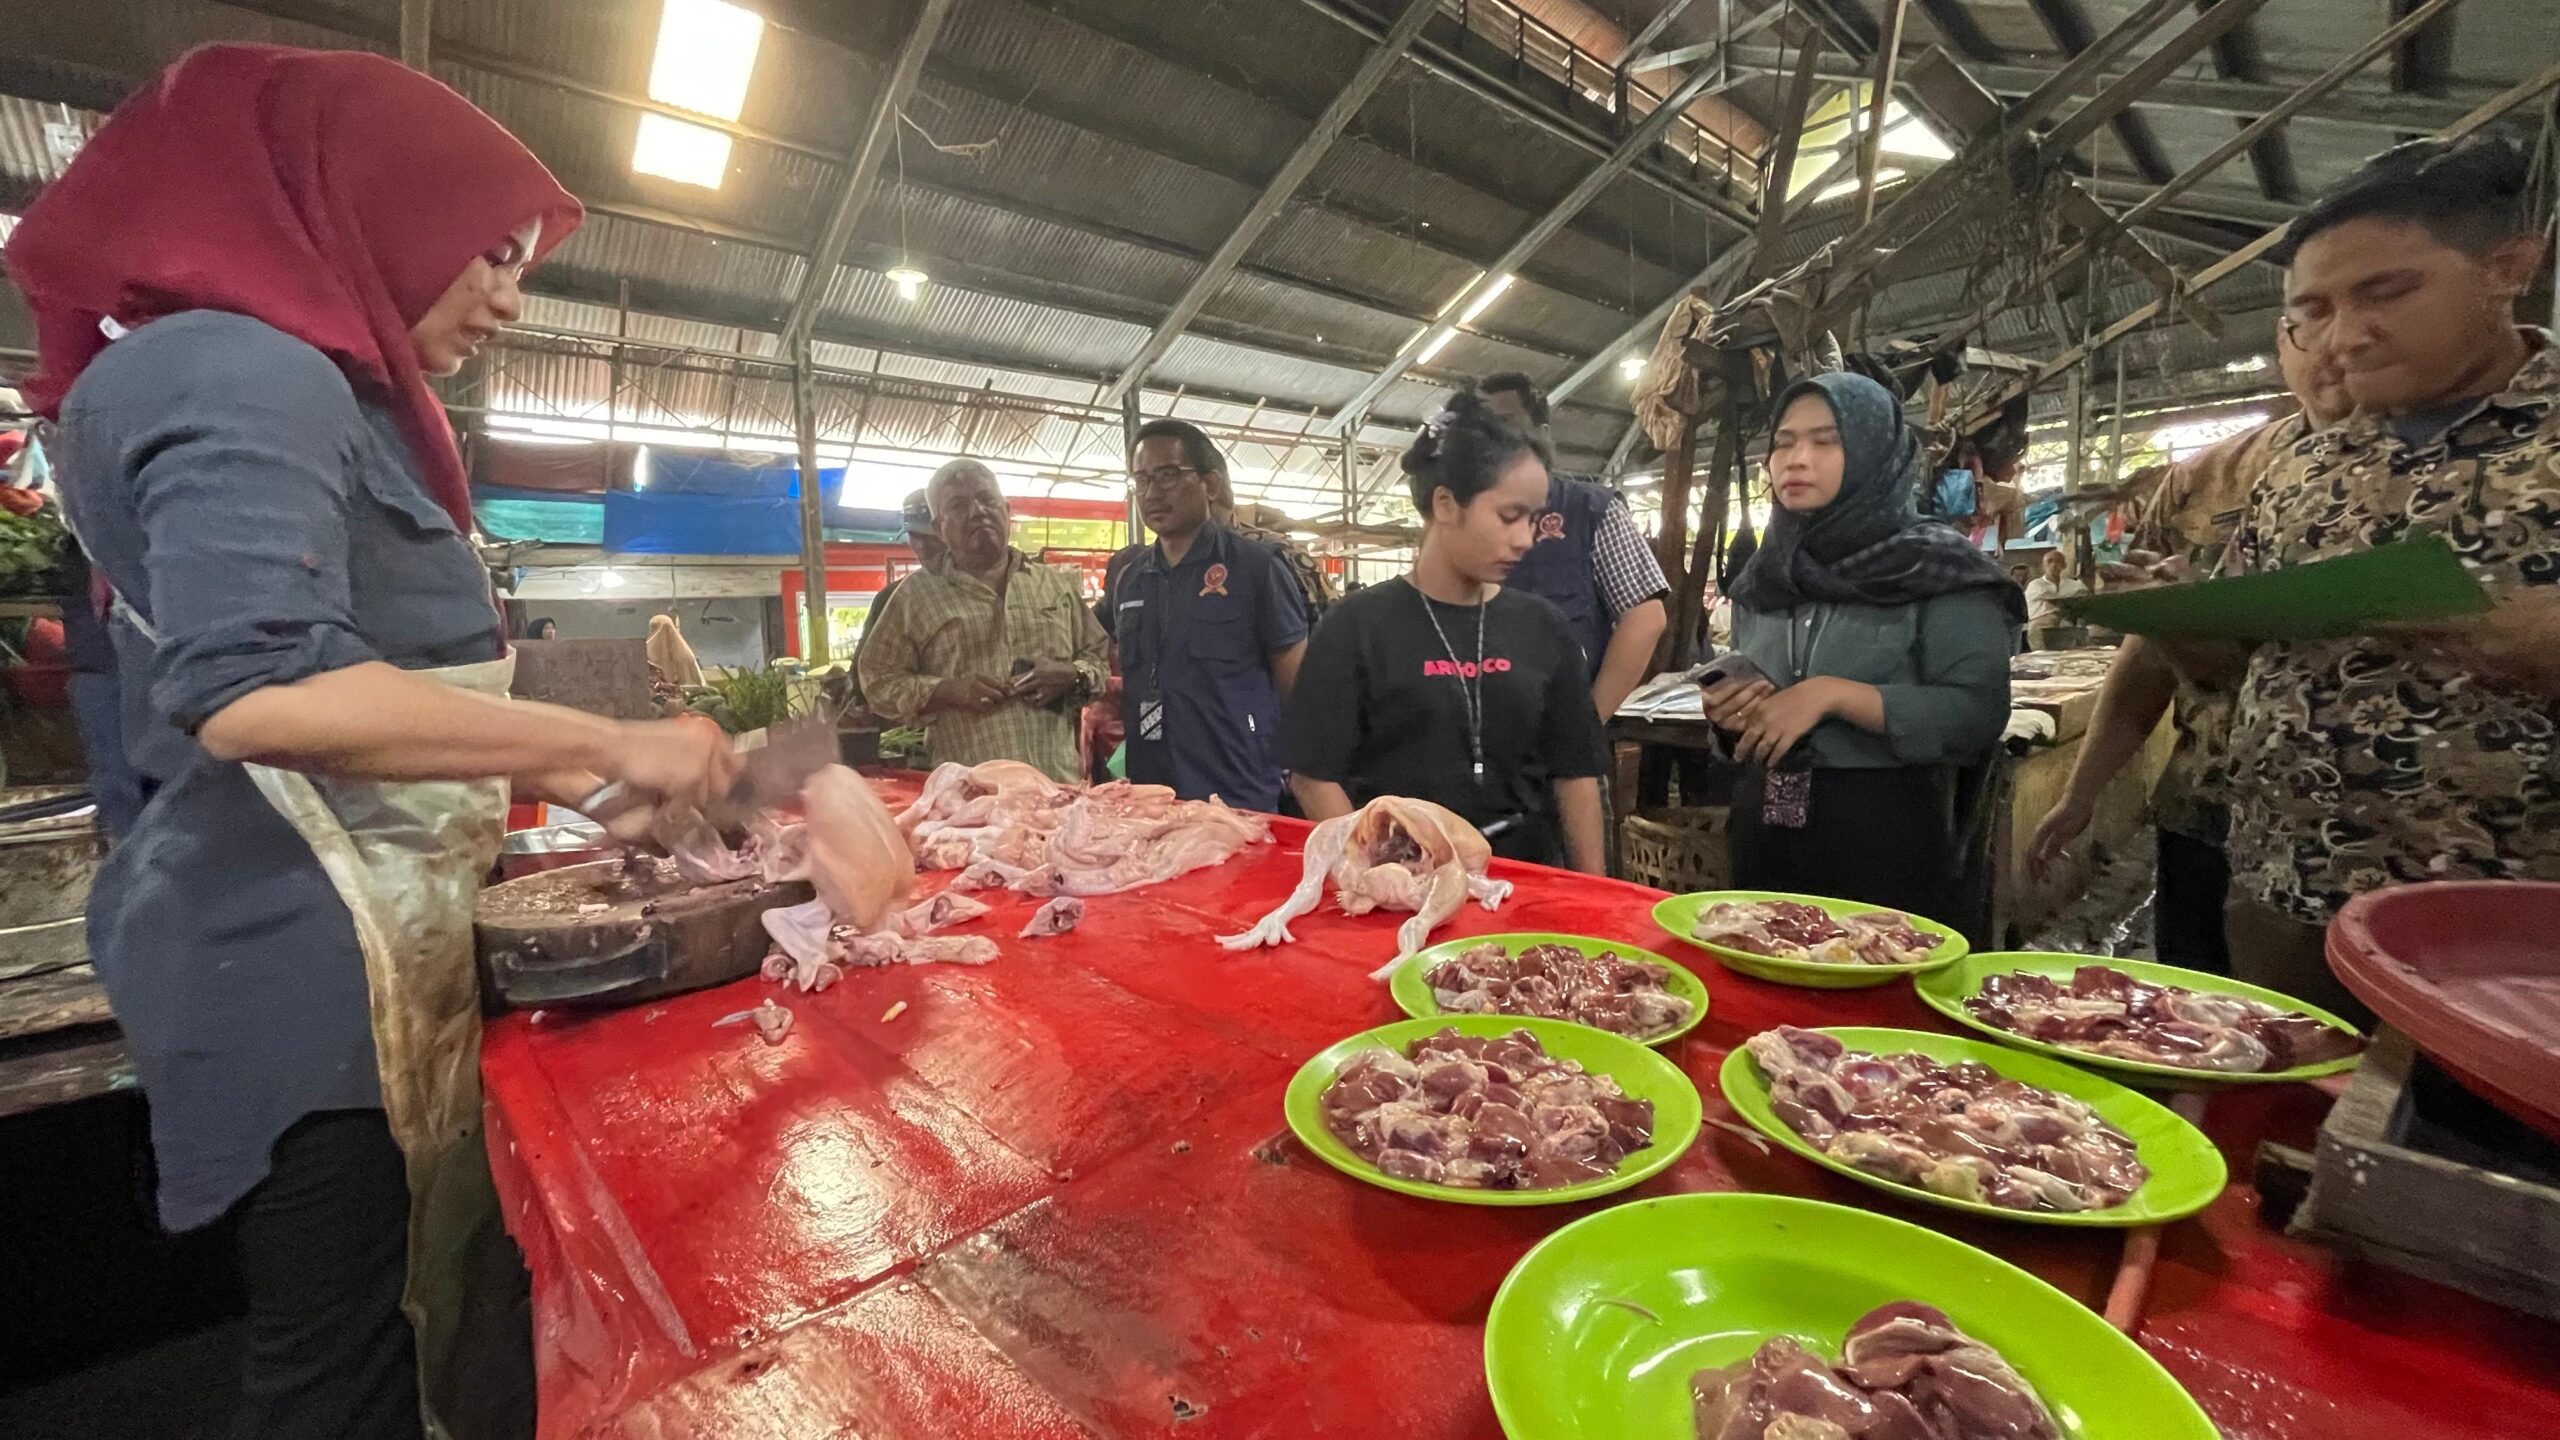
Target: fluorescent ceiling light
pixel 1884 177
pixel 1435 347
pixel 2247 365
pixel 1485 301
pixel 611 579
pixel 687 154
pixel 1452 303
pixel 706 52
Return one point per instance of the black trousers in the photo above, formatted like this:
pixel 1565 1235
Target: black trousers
pixel 2194 881
pixel 1878 837
pixel 324 1252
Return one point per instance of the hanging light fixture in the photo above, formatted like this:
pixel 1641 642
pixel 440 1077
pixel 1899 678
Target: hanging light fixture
pixel 909 280
pixel 1632 367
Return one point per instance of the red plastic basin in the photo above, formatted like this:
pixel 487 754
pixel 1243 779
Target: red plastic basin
pixel 2469 970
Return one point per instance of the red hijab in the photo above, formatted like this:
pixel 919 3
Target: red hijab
pixel 332 195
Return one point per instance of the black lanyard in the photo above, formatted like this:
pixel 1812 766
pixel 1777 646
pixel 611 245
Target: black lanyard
pixel 1470 684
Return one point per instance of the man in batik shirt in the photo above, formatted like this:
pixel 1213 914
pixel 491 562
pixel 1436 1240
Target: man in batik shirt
pixel 2426 752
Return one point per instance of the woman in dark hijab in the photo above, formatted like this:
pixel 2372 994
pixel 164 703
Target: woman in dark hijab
pixel 1882 641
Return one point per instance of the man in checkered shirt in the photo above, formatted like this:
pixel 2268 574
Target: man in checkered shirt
pixel 1589 559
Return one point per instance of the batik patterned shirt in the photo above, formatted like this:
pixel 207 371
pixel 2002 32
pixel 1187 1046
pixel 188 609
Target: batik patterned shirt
pixel 2365 762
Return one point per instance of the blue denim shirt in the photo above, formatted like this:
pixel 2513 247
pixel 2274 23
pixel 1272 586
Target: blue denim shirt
pixel 268 525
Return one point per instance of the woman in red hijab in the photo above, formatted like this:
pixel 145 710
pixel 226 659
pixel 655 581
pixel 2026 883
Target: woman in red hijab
pixel 241 289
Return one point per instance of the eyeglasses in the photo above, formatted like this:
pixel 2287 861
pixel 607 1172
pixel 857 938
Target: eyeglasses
pixel 1163 477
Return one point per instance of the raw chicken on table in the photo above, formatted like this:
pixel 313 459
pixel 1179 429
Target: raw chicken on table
pixel 1961 1130
pixel 1905 1373
pixel 1005 825
pixel 1390 854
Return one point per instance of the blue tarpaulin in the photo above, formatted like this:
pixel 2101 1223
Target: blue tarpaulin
pixel 546 515
pixel 690 504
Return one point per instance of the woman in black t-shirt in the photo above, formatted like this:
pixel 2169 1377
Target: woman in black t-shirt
pixel 1442 685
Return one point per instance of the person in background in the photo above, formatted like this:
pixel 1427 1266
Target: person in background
pixel 545 628
pixel 1209 628
pixel 2189 515
pixel 2018 576
pixel 2425 752
pixel 2046 593
pixel 1882 641
pixel 671 656
pixel 1588 558
pixel 991 652
pixel 241 287
pixel 915 517
pixel 1446 684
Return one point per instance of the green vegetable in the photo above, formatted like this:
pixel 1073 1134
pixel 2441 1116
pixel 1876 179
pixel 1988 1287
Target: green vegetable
pixel 31 552
pixel 743 700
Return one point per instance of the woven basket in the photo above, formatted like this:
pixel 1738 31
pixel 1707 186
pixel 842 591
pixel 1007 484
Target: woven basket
pixel 1678 849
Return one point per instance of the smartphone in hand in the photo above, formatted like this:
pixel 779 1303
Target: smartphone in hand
pixel 1730 667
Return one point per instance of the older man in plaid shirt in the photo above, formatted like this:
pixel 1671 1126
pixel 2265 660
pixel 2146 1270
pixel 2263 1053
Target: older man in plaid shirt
pixel 991 652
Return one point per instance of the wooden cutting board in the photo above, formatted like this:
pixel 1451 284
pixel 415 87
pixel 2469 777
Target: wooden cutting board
pixel 620 931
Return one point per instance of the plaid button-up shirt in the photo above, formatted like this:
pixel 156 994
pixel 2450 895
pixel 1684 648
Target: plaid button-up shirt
pixel 944 623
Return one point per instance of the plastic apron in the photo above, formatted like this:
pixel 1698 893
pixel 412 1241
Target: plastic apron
pixel 408 858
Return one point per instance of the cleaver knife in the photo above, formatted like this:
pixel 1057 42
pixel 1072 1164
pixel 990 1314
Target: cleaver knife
pixel 774 764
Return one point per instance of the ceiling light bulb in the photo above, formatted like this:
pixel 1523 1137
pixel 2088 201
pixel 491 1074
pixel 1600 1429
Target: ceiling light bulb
pixel 910 282
pixel 612 579
pixel 1632 367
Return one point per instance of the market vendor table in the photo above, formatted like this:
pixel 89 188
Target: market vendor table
pixel 1054 1196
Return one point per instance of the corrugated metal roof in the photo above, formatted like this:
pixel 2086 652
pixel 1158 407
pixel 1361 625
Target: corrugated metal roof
pixel 1091 151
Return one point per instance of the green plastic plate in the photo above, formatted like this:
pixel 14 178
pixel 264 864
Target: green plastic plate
pixel 1595 1334
pixel 1415 995
pixel 1639 1072
pixel 2186 1170
pixel 1679 914
pixel 1947 990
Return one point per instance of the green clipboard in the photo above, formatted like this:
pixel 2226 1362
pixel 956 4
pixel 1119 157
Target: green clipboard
pixel 2406 580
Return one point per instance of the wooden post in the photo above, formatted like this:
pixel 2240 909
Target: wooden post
pixel 1871 147
pixel 1689 593
pixel 1678 463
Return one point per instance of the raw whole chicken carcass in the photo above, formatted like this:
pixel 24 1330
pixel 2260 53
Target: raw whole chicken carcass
pixel 857 858
pixel 1390 854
